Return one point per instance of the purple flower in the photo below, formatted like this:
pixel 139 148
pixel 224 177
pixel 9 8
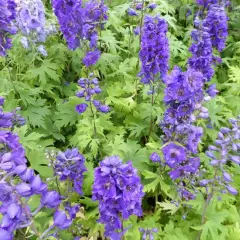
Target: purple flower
pixel 6 235
pixel 216 22
pixel 50 199
pixel 202 53
pixel 7 16
pixel 42 50
pixel 104 108
pixel 81 108
pixel 174 154
pixel 155 157
pixel 154 53
pixel 152 6
pixel 91 58
pixel 232 190
pixel 132 12
pixel 91 87
pixel 212 91
pixel 60 220
pixel 70 165
pixel 79 21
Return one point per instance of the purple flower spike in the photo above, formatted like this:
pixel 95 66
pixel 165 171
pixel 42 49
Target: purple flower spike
pixel 119 191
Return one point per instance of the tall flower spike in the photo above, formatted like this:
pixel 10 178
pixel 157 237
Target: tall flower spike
pixel 79 22
pixel 7 16
pixel 223 154
pixel 216 22
pixel 154 52
pixel 119 191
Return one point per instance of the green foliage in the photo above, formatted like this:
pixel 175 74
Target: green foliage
pixel 45 89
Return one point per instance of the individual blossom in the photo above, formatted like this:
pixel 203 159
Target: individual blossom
pixel 69 165
pixel 7 28
pixel 89 89
pixel 154 52
pixel 91 58
pixel 119 191
pixel 155 157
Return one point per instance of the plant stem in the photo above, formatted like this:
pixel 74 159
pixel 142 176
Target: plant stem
pixel 151 122
pixel 94 123
pixel 11 77
pixel 140 40
pixel 207 202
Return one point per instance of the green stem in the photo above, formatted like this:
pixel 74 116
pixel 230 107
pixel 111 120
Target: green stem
pixel 94 120
pixel 151 122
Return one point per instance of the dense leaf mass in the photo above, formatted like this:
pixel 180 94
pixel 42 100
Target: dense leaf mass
pixel 119 120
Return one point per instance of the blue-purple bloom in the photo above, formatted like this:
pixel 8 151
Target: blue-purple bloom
pixel 69 165
pixel 81 108
pixel 216 23
pixel 225 151
pixel 155 157
pixel 90 88
pixel 154 53
pixel 119 191
pixel 7 28
pixel 80 22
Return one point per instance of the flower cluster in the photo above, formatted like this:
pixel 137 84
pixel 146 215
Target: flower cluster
pixel 90 87
pixel 79 22
pixel 154 53
pixel 224 153
pixel 205 3
pixel 202 53
pixel 183 93
pixel 138 6
pixel 216 23
pixel 119 191
pixel 7 16
pixel 32 23
pixel 148 233
pixel 69 165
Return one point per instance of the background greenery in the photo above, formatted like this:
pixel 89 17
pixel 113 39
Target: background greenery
pixel 45 89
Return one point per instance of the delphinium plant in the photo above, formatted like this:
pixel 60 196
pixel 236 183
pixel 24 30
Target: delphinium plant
pixel 19 184
pixel 187 175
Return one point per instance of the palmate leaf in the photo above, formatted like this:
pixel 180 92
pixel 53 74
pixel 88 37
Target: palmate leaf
pixel 47 70
pixel 214 108
pixel 35 114
pixel 66 114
